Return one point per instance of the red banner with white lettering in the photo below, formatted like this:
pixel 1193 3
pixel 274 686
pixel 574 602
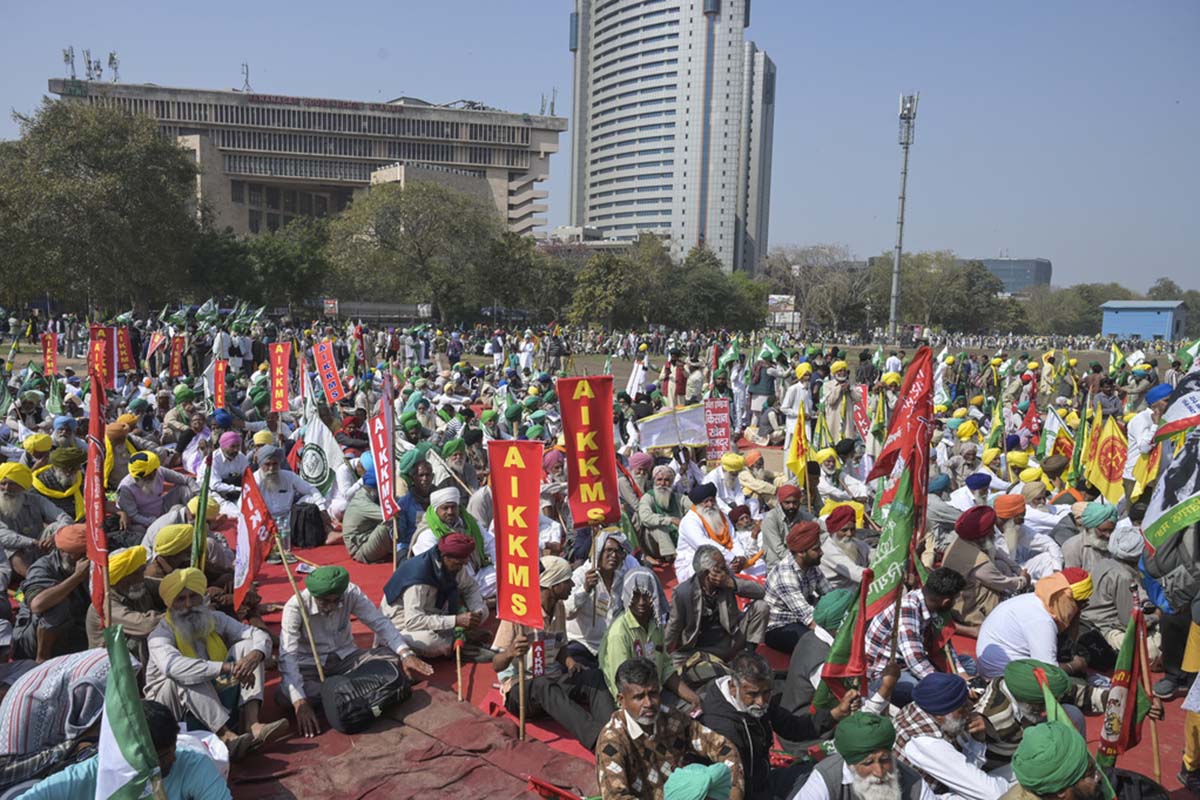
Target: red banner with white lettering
pixel 220 367
pixel 381 454
pixel 279 354
pixel 587 416
pixel 516 479
pixel 49 354
pixel 862 420
pixel 125 362
pixel 175 368
pixel 256 529
pixel 327 372
pixel 102 356
pixel 716 427
pixel 93 496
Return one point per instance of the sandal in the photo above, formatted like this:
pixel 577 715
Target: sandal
pixel 272 732
pixel 240 746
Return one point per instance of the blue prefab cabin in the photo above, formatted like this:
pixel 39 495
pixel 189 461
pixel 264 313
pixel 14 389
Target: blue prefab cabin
pixel 1143 319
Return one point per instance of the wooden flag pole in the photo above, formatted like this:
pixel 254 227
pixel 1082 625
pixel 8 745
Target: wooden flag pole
pixel 396 543
pixel 107 595
pixel 458 643
pixel 521 689
pixel 1144 671
pixel 300 603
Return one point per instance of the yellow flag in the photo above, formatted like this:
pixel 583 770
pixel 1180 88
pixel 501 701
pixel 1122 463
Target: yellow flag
pixel 1106 463
pixel 797 454
pixel 1145 471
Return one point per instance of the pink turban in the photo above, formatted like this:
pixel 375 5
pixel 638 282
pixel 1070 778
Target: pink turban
pixel 229 439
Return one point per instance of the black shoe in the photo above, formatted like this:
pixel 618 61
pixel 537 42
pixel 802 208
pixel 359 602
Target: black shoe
pixel 1169 686
pixel 1190 780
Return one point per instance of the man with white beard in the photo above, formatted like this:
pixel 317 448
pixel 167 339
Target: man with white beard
pixel 196 653
pixel 844 554
pixel 61 481
pixel 991 574
pixel 283 489
pixel 862 766
pixel 973 492
pixel 1037 553
pixel 706 524
pixel 64 433
pixel 228 465
pixel 28 521
pixel 831 486
pixel 724 478
pixel 131 602
pixel 660 511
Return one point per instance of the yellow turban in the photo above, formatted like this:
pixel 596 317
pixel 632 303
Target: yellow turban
pixel 803 369
pixel 143 463
pixel 950 361
pixel 123 564
pixel 967 430
pixel 173 540
pixel 959 413
pixel 1072 420
pixel 837 366
pixel 890 379
pixel 38 443
pixel 18 473
pixel 977 400
pixel 824 455
pixel 997 361
pixel 1030 474
pixel 211 509
pixel 534 391
pixel 940 409
pixel 1018 459
pixel 989 455
pixel 128 419
pixel 263 437
pixel 175 582
pixel 1072 362
pixel 1032 365
pixel 732 462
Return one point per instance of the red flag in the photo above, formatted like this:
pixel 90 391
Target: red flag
pixel 1032 422
pixel 379 429
pixel 516 480
pixel 907 443
pixel 175 367
pixel 327 372
pixel 279 354
pixel 125 362
pixel 256 529
pixel 157 340
pixel 862 420
pixel 102 356
pixel 587 414
pixel 93 487
pixel 49 354
pixel 220 367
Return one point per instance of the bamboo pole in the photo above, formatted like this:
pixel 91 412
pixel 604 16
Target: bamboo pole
pixel 521 689
pixel 107 594
pixel 1144 671
pixel 458 643
pixel 395 542
pixel 303 611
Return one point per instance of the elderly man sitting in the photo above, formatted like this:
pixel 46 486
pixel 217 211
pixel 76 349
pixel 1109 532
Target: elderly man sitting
pixel 444 516
pixel 659 513
pixel 990 573
pixel 132 605
pixel 779 520
pixel 330 599
pixel 1111 604
pixel 430 596
pixel 794 587
pixel 635 486
pixel 844 555
pixel 28 521
pixel 863 765
pixel 1029 544
pixel 220 556
pixel 61 481
pixel 724 478
pixel 1089 547
pixel 199 657
pixel 51 619
pixel 283 489
pixel 140 495
pixel 707 525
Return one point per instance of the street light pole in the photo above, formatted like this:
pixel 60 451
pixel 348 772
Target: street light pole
pixel 908 124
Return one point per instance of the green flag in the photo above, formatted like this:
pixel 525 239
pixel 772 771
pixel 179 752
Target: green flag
pixel 770 351
pixel 877 359
pixel 127 763
pixel 608 364
pixel 5 397
pixel 1188 355
pixel 54 404
pixel 200 528
pixel 730 356
pixel 1116 360
pixel 1122 719
pixel 1056 713
pixel 1078 466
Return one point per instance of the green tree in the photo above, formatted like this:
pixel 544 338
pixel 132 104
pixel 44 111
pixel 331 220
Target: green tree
pixel 96 207
pixel 289 265
pixel 220 266
pixel 695 291
pixel 601 284
pixel 1165 289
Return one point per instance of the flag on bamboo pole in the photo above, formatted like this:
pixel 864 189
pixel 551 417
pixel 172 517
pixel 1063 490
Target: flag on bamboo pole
pixel 877 359
pixel 200 527
pixel 1056 438
pixel 797 454
pixel 1145 470
pixel 770 351
pixel 1116 360
pixel 1106 464
pixel 126 762
pixel 1175 503
pixel 1055 714
pixel 607 365
pixel 1188 355
pixel 54 403
pixel 996 433
pixel 93 498
pixel 1083 441
pixel 1123 719
pixel 907 445
pixel 731 354
pixel 846 663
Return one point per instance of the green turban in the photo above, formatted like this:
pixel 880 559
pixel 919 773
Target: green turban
pixel 68 458
pixel 404 418
pixel 699 782
pixel 549 396
pixel 183 394
pixel 1022 683
pixel 513 412
pixel 139 405
pixel 656 395
pixel 411 458
pixel 832 607
pixel 454 446
pixel 327 581
pixel 1051 757
pixel 1096 514
pixel 535 432
pixel 537 417
pixel 533 401
pixel 860 734
pixel 488 416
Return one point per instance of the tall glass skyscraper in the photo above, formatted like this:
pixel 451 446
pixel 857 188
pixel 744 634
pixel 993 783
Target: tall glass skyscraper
pixel 672 125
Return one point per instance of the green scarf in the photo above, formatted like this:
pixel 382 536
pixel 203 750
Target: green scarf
pixel 440 529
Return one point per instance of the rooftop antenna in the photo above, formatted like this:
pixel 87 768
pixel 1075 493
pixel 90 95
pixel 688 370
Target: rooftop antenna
pixel 114 66
pixel 553 98
pixel 543 111
pixel 87 63
pixel 246 77
pixel 69 60
pixel 908 124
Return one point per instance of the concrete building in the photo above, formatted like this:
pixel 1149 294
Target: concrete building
pixel 1017 274
pixel 674 115
pixel 1143 319
pixel 265 159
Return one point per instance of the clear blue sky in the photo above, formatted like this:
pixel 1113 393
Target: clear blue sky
pixel 1066 130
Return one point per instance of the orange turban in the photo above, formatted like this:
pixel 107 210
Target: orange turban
pixel 1009 506
pixel 72 539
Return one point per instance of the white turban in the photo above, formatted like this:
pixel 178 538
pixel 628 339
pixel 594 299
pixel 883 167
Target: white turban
pixel 1126 542
pixel 443 496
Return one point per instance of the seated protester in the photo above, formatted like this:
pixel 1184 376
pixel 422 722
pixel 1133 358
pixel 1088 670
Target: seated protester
pixel 432 595
pixel 228 465
pixel 706 525
pixel 1111 605
pixel 844 556
pixel 37 448
pixel 747 531
pixel 28 521
pixel 636 632
pixel 283 489
pixel 940 515
pixel 185 773
pixel 1040 516
pixel 794 587
pixel 178 419
pixel 922 637
pixel 560 684
pixel 741 707
pixel 1037 553
pixel 351 435
pixel 481 507
pixel 644 743
pixel 863 765
pixel 65 434
pixel 131 604
pixel 758 483
pixel 660 510
pixel 454 452
pixel 50 621
pixel 198 655
pixel 140 494
pixel 367 537
pixel 445 516
pixel 1029 625
pixel 61 481
pixel 220 556
pixel 779 520
pixel 594 593
pixel 991 575
pixel 724 479
pixel 974 492
pixel 1089 547
pixel 634 485
pixel 330 599
pixel 705 623
pixel 939 735
pixel 1015 702
pixel 1053 762
pixel 173 551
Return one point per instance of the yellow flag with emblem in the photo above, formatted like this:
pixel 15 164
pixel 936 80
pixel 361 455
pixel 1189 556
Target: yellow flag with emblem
pixel 1106 462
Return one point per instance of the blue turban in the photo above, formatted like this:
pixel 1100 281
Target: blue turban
pixel 978 481
pixel 940 693
pixel 65 422
pixel 368 465
pixel 1160 392
pixel 1012 442
pixel 223 418
pixel 939 483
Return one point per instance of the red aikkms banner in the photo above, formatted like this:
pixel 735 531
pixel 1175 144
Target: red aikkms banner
pixel 327 372
pixel 516 479
pixel 102 355
pixel 157 340
pixel 175 368
pixel 279 354
pixel 587 416
pixel 256 529
pixel 49 354
pixel 220 367
pixel 125 362
pixel 93 496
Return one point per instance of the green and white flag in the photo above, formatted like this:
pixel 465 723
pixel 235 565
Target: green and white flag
pixel 877 359
pixel 941 357
pixel 127 766
pixel 54 403
pixel 1188 355
pixel 208 311
pixel 608 365
pixel 770 351
pixel 5 396
pixel 321 455
pixel 730 356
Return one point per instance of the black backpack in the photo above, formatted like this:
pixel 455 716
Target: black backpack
pixel 351 702
pixel 308 529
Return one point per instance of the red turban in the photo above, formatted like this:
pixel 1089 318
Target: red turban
pixel 839 518
pixel 788 491
pixel 975 523
pixel 803 536
pixel 737 512
pixel 1009 506
pixel 1081 582
pixel 72 539
pixel 456 545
